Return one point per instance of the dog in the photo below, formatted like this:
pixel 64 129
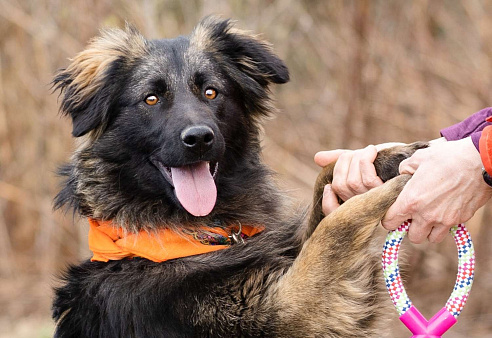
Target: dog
pixel 169 159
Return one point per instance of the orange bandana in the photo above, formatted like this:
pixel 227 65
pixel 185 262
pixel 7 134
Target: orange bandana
pixel 110 243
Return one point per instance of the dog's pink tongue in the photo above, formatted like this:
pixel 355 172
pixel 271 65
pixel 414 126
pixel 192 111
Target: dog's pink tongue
pixel 195 188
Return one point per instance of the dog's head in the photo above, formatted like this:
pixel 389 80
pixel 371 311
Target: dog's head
pixel 165 119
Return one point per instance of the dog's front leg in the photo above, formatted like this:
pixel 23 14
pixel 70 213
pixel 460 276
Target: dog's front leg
pixel 386 164
pixel 333 287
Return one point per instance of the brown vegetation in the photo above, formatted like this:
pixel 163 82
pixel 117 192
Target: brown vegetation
pixel 362 72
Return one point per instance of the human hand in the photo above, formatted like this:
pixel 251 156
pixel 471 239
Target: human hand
pixel 353 174
pixel 446 189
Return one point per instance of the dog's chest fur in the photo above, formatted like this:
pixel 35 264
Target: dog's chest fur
pixel 148 109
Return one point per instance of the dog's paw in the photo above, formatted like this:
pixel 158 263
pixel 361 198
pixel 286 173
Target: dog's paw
pixel 388 160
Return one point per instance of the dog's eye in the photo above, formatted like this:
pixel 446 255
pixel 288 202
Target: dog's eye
pixel 151 100
pixel 210 93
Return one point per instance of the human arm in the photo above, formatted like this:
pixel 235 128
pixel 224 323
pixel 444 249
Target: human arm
pixel 446 189
pixel 471 127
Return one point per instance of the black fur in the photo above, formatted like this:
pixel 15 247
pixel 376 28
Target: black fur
pixel 127 186
pixel 216 295
pixel 114 175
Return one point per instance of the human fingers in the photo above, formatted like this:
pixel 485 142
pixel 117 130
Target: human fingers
pixel 409 165
pixel 340 176
pixel 443 191
pixel 362 173
pixel 330 200
pixel 397 213
pixel 323 158
pixel 370 179
pixel 438 233
pixel 354 173
pixel 419 231
pixel 353 182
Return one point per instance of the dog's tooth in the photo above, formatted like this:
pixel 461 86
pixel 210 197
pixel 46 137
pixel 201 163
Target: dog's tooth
pixel 215 169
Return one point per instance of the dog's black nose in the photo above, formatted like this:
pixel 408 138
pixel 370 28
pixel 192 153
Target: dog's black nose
pixel 198 138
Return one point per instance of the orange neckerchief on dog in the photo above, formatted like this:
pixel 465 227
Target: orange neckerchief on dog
pixel 110 243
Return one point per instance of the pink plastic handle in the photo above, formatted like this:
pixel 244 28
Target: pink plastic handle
pixel 421 328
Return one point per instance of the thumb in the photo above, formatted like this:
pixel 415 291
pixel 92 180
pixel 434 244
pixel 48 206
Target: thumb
pixel 323 158
pixel 395 216
pixel 408 166
pixel 330 200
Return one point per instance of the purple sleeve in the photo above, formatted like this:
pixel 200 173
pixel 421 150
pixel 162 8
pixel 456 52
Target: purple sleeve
pixel 471 126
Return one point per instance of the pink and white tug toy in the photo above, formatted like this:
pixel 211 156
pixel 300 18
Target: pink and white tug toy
pixel 448 315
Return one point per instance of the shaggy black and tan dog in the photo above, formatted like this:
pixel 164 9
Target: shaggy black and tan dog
pixel 170 151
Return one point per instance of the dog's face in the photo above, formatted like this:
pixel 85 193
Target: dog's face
pixel 165 120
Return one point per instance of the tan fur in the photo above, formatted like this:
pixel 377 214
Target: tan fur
pixel 201 40
pixel 341 250
pixel 86 70
pixel 322 279
pixel 88 66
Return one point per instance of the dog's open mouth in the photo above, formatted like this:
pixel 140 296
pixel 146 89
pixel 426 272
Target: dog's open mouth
pixel 194 185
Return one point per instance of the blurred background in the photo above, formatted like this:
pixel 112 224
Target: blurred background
pixel 361 72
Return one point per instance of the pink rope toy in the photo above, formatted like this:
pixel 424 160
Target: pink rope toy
pixel 448 315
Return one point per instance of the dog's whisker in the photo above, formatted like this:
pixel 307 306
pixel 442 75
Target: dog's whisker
pixel 192 237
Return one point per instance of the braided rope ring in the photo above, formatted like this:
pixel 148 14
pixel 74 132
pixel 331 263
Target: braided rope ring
pixel 448 315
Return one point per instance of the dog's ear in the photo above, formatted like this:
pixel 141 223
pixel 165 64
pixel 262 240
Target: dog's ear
pixel 247 59
pixel 89 85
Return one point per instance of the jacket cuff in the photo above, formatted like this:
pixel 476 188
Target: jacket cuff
pixel 475 137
